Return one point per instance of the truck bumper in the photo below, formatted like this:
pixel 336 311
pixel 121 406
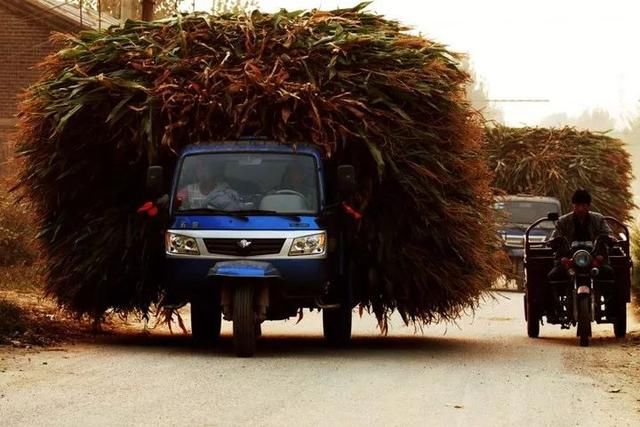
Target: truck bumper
pixel 295 277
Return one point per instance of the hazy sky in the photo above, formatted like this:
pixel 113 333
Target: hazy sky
pixel 578 54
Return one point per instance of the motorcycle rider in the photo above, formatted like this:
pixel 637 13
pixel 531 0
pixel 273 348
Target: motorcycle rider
pixel 581 225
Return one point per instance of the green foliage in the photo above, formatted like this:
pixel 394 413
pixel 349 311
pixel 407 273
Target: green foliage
pixel 17 236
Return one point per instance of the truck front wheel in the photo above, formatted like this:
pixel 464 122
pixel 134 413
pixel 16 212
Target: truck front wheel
pixel 244 322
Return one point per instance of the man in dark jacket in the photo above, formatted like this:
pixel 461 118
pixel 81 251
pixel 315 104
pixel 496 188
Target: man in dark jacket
pixel 581 225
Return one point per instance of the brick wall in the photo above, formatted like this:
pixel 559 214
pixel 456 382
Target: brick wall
pixel 24 42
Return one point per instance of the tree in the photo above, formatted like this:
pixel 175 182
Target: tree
pixel 478 95
pixel 111 7
pixel 556 120
pixel 632 133
pixel 596 120
pixel 232 6
pixel 164 8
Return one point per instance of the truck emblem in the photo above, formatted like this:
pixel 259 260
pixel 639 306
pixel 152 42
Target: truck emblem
pixel 244 244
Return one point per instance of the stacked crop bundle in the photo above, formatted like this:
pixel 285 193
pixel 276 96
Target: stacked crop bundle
pixel 351 82
pixel 557 161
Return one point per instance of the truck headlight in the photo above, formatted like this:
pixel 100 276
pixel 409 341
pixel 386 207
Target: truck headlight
pixel 183 245
pixel 315 244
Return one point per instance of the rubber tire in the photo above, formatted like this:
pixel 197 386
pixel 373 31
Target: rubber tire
pixel 244 322
pixel 584 320
pixel 206 321
pixel 336 325
pixel 620 325
pixel 533 320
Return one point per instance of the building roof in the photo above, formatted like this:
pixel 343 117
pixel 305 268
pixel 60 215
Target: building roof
pixel 60 13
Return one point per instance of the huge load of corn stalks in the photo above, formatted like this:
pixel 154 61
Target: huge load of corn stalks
pixel 556 161
pixel 353 83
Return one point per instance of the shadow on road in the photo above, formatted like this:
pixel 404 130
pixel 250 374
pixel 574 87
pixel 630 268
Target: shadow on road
pixel 283 346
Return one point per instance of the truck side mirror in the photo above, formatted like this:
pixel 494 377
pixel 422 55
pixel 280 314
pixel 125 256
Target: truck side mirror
pixel 346 179
pixel 155 181
pixel 553 216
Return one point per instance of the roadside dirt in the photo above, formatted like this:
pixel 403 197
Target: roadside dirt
pixel 28 320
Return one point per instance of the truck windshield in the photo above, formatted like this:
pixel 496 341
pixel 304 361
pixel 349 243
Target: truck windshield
pixel 252 183
pixel 525 212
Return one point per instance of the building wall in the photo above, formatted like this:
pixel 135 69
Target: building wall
pixel 24 42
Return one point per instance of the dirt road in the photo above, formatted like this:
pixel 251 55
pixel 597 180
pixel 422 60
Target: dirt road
pixel 482 372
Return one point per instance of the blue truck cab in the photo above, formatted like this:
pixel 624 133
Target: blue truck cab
pixel 515 214
pixel 252 234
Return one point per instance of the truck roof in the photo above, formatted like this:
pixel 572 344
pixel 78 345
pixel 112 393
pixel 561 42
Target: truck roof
pixel 250 145
pixel 527 198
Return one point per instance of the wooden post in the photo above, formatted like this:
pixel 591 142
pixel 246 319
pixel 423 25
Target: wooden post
pixel 147 10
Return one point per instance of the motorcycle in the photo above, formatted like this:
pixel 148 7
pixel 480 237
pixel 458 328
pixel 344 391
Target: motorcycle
pixel 590 288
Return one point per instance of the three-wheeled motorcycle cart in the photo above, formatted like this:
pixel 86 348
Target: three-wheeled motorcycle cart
pixel 575 303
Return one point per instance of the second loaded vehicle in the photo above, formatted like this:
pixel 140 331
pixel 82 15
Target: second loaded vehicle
pixel 516 214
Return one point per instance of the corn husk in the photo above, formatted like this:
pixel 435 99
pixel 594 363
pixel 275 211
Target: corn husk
pixel 353 83
pixel 557 161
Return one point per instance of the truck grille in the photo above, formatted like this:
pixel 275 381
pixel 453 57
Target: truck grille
pixel 244 247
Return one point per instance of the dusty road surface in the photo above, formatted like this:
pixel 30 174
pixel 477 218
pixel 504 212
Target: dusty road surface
pixel 484 372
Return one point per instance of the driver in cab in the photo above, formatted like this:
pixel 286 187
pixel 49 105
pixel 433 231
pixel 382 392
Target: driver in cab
pixel 581 225
pixel 296 179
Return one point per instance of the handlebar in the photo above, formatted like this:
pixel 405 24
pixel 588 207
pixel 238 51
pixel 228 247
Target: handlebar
pixel 541 220
pixel 619 224
pixel 534 225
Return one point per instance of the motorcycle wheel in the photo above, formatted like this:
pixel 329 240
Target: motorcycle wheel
pixel 620 325
pixel 206 320
pixel 533 320
pixel 584 320
pixel 244 322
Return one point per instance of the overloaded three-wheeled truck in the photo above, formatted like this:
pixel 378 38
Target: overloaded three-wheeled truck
pixel 255 232
pixel 587 295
